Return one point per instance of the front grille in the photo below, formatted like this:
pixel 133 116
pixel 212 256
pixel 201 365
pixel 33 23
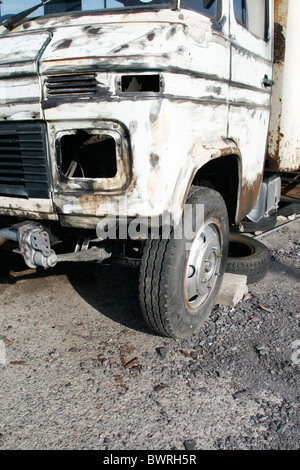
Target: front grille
pixel 23 160
pixel 71 84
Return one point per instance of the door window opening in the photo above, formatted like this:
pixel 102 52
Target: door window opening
pixel 253 15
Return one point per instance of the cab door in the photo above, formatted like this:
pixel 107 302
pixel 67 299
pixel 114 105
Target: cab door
pixel 251 39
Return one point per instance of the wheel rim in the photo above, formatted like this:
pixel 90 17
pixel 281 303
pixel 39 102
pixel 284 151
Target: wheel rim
pixel 203 266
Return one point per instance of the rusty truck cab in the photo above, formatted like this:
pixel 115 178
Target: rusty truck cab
pixel 120 109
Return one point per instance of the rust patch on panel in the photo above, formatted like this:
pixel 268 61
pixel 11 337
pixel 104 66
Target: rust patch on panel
pixel 26 214
pixel 90 204
pixel 290 187
pixel 280 9
pixel 65 44
pixel 248 197
pixel 279 44
pixel 273 160
pixel 150 36
pixel 92 30
pixel 154 159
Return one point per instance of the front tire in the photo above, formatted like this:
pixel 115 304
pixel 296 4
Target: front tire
pixel 180 277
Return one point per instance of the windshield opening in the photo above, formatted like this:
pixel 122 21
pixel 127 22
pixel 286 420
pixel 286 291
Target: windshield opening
pixel 211 8
pixel 12 7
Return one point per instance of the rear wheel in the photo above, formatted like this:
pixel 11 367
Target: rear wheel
pixel 181 277
pixel 247 256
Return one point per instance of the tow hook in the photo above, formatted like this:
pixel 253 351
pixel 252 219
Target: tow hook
pixel 35 247
pixel 34 244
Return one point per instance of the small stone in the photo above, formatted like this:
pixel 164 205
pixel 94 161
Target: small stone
pixel 220 373
pixel 159 387
pixel 189 444
pixel 239 394
pixel 54 355
pixel 262 350
pixel 194 354
pixel 162 352
pixel 84 365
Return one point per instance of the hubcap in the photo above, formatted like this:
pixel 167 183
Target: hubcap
pixel 203 265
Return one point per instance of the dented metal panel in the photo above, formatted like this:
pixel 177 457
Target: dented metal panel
pixel 19 55
pixel 284 139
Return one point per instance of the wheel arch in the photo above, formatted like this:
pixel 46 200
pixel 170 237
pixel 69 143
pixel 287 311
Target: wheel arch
pixel 224 175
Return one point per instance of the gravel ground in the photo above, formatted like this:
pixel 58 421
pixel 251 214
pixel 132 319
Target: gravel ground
pixel 80 370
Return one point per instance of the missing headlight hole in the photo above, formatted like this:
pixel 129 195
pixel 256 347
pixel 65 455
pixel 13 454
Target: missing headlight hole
pixel 140 83
pixel 88 155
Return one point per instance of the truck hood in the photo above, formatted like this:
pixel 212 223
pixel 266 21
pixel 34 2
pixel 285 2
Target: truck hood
pixel 63 45
pixel 19 53
pixel 49 46
pixel 107 45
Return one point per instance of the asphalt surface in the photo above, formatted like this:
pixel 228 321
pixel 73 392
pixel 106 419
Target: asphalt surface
pixel 80 370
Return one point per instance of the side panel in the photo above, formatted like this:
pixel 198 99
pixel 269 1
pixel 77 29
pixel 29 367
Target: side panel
pixel 284 141
pixel 171 132
pixel 249 111
pixel 168 133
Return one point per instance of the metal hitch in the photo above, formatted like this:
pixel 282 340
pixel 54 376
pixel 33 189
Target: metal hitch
pixel 35 246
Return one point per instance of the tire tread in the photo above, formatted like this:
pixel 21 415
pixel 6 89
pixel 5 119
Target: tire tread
pixel 156 281
pixel 254 266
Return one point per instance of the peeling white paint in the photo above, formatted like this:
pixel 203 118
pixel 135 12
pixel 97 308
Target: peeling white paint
pixel 211 93
pixel 19 52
